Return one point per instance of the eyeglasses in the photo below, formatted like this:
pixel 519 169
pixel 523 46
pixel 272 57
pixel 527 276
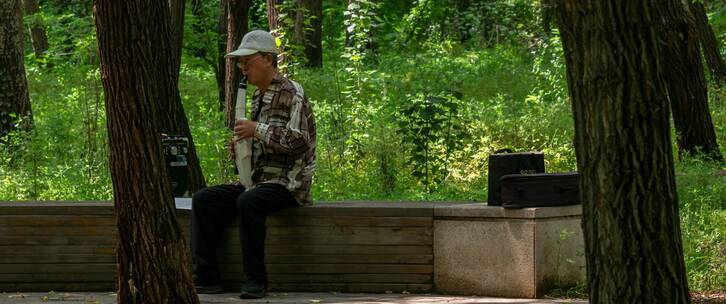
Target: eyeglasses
pixel 242 63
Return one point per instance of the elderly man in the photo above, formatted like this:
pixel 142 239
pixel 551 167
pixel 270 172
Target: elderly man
pixel 282 128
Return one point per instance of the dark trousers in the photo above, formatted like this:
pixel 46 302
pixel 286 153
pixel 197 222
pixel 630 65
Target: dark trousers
pixel 214 208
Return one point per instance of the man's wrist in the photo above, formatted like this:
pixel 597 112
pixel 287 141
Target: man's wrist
pixel 261 131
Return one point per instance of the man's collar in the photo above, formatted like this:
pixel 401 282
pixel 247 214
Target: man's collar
pixel 276 80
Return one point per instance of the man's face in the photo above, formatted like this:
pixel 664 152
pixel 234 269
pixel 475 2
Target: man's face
pixel 252 66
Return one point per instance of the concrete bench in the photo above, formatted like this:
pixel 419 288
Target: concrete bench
pixel 451 248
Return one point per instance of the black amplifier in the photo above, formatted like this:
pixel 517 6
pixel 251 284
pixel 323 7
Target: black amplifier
pixel 176 154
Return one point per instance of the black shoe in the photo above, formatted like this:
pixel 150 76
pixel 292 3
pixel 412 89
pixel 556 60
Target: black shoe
pixel 209 289
pixel 253 290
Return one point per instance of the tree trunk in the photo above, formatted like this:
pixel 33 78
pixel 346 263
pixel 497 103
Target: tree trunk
pixel 272 20
pixel 618 87
pixel 14 99
pixel 708 42
pixel 546 11
pixel 237 24
pixel 176 9
pixel 274 24
pixel 687 89
pixel 313 38
pixel 37 29
pixel 176 121
pixel 221 49
pixel 134 39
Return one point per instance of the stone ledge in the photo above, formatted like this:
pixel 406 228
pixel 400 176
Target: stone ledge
pixel 482 210
pixel 492 251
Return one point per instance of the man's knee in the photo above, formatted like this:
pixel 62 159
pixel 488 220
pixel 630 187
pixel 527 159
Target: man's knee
pixel 200 197
pixel 247 203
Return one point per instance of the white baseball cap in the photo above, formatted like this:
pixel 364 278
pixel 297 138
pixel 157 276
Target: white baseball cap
pixel 253 42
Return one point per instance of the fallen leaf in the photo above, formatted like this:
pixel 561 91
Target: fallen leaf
pixel 17 296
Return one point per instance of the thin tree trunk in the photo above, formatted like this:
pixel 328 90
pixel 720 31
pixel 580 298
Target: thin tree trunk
pixel 687 90
pixel 546 11
pixel 134 39
pixel 37 29
pixel 176 8
pixel 272 17
pixel 313 38
pixel 237 24
pixel 274 24
pixel 708 42
pixel 174 120
pixel 14 99
pixel 221 51
pixel 619 91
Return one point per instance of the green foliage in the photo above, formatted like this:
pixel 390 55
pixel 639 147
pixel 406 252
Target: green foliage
pixel 485 23
pixel 71 36
pixel 284 34
pixel 702 196
pixel 434 128
pixel 65 156
pixel 201 39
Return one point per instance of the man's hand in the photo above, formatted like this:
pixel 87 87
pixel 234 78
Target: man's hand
pixel 244 129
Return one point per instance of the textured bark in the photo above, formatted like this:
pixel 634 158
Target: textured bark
pixel 687 87
pixel 176 9
pixel 274 24
pixel 546 10
pixel 14 99
pixel 221 50
pixel 708 42
pixel 175 121
pixel 237 24
pixel 311 38
pixel 618 87
pixel 37 29
pixel 134 39
pixel 272 18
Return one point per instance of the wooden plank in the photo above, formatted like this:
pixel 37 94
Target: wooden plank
pixel 345 235
pixel 107 231
pixel 57 277
pixel 337 249
pixel 345 221
pixel 56 258
pixel 57 240
pixel 58 268
pixel 340 278
pixel 343 230
pixel 359 208
pixel 333 269
pixel 351 287
pixel 57 208
pixel 54 220
pixel 68 286
pixel 56 249
pixel 335 259
pixel 347 268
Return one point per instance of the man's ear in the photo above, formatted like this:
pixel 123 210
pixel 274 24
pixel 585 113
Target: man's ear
pixel 268 58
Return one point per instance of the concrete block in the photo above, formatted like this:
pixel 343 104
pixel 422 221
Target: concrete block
pixel 491 251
